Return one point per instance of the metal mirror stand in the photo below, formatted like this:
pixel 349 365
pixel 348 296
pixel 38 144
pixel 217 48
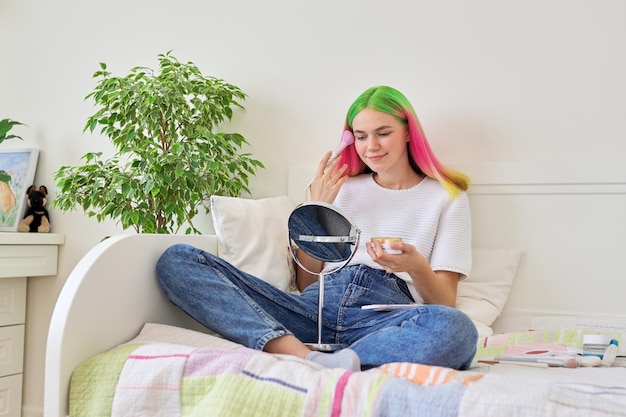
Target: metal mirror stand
pixel 321 231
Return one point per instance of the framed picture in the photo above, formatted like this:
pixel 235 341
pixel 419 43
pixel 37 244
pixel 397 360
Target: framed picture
pixel 17 173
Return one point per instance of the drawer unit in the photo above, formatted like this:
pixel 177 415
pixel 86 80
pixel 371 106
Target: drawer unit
pixel 11 350
pixel 22 255
pixel 12 301
pixel 11 396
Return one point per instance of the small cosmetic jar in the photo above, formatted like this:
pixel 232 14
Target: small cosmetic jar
pixel 385 243
pixel 595 345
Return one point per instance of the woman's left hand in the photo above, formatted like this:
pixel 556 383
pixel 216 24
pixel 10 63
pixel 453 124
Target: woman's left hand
pixel 435 287
pixel 397 262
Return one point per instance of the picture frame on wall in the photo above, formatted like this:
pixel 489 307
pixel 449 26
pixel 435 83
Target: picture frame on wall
pixel 17 173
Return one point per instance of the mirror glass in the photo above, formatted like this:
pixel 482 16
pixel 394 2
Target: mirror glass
pixel 322 232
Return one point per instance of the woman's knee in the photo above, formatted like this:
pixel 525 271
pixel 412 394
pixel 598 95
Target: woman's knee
pixel 457 325
pixel 170 263
pixel 453 338
pixel 463 325
pixel 462 339
pixel 179 252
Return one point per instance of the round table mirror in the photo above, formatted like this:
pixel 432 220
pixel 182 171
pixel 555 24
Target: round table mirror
pixel 321 231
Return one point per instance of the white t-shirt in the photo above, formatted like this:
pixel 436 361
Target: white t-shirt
pixel 424 216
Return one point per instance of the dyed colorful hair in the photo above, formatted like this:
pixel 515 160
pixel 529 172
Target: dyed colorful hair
pixel 390 101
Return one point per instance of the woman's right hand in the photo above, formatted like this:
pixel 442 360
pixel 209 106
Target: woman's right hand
pixel 328 180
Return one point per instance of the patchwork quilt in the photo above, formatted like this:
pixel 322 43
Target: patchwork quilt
pixel 175 376
pixel 162 379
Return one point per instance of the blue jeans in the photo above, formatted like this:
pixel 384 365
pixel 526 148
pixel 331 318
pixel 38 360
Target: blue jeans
pixel 249 311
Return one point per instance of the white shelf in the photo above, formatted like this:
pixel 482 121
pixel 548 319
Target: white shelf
pixel 16 238
pixel 29 254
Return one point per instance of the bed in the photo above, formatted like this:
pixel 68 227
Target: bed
pixel 547 244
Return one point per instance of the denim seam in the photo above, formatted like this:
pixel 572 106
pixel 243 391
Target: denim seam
pixel 270 336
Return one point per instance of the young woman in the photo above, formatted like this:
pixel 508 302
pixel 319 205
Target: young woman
pixel 388 183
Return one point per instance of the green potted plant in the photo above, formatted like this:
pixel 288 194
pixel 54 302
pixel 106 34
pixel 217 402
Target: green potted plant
pixel 169 160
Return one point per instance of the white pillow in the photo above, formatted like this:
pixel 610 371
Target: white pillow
pixel 253 236
pixel 483 294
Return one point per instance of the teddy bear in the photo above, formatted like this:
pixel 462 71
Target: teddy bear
pixel 36 218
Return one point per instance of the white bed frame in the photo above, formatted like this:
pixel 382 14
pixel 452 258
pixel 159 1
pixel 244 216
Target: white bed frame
pixel 569 219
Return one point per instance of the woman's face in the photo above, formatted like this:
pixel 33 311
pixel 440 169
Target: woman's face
pixel 380 141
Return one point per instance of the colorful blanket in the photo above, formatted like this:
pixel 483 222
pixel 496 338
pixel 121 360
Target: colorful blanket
pixel 175 372
pixel 164 379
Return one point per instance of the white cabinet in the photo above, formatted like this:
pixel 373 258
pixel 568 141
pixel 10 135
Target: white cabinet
pixel 22 255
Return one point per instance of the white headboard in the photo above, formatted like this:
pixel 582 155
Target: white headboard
pixel 569 219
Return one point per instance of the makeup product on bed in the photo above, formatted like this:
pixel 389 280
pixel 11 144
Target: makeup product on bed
pixel 610 354
pixel 607 358
pixel 517 363
pixel 347 139
pixel 588 361
pixel 596 345
pixel 552 361
pixel 385 243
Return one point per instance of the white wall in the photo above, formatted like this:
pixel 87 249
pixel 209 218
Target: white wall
pixel 492 80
